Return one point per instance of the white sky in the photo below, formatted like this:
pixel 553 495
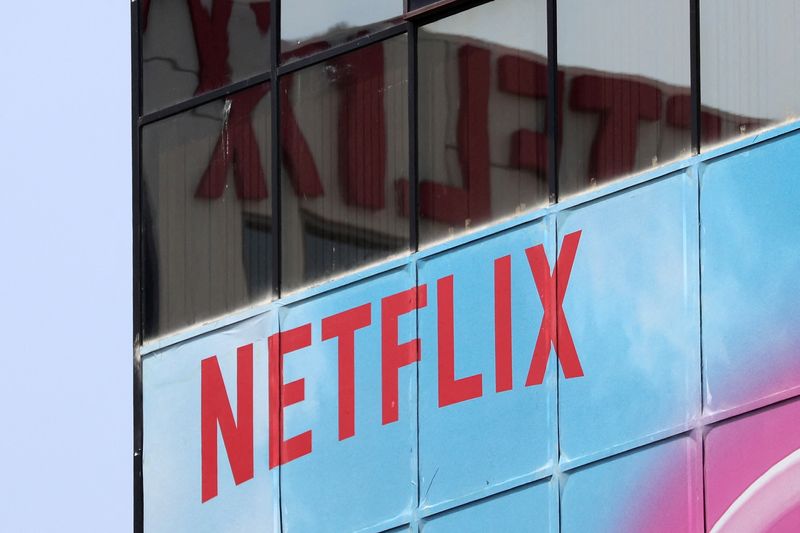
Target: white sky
pixel 65 274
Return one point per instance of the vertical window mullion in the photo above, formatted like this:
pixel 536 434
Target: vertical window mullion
pixel 275 179
pixel 413 175
pixel 694 38
pixel 136 136
pixel 552 102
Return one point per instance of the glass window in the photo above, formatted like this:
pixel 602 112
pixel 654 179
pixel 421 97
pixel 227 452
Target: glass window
pixel 416 4
pixel 190 47
pixel 344 155
pixel 308 26
pixel 625 66
pixel 206 211
pixel 750 66
pixel 482 116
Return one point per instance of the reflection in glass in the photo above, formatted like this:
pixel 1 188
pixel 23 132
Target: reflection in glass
pixel 190 47
pixel 308 26
pixel 626 72
pixel 417 4
pixel 750 66
pixel 344 155
pixel 206 212
pixel 482 118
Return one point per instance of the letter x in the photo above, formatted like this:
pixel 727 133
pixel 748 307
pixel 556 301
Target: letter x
pixel 553 329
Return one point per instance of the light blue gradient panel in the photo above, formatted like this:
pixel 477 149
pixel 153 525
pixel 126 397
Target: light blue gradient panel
pixel 478 446
pixel 645 490
pixel 367 481
pixel 172 473
pixel 530 508
pixel 750 214
pixel 632 305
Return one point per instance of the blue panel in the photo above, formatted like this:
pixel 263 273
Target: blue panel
pixel 366 481
pixel 531 508
pixel 172 437
pixel 750 213
pixel 632 306
pixel 657 489
pixel 480 445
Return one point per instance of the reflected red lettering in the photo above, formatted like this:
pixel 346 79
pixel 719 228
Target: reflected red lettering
pixel 454 205
pixel 621 104
pixel 362 127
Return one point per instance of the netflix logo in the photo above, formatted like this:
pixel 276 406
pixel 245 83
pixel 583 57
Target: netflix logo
pixel 227 406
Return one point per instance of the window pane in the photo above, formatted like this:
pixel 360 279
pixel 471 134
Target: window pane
pixel 416 4
pixel 625 67
pixel 344 135
pixel 308 26
pixel 482 116
pixel 190 47
pixel 206 212
pixel 750 66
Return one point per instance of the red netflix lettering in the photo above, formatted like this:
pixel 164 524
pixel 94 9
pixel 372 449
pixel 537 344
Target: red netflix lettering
pixel 362 127
pixel 145 14
pixel 262 12
pixel 343 326
pixel 622 104
pixel 451 390
pixel 237 431
pixel 394 356
pixel 237 142
pixel 504 379
pixel 282 395
pixel 528 78
pixel 454 205
pixel 547 284
pixel 679 115
pixel 297 156
pixel 215 410
pixel 211 41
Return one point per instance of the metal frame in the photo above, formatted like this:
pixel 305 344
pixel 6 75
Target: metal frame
pixel 275 129
pixel 552 101
pixel 694 52
pixel 136 286
pixel 412 22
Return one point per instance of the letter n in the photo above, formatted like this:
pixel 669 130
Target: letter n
pixel 215 411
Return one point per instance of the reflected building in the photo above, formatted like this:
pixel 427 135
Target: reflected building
pixel 376 157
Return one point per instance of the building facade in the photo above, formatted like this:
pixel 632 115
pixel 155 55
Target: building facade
pixel 517 265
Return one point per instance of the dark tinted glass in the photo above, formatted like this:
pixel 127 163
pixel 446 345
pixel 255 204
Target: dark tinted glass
pixel 308 26
pixel 482 119
pixel 750 66
pixel 416 4
pixel 193 46
pixel 625 69
pixel 206 212
pixel 344 163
